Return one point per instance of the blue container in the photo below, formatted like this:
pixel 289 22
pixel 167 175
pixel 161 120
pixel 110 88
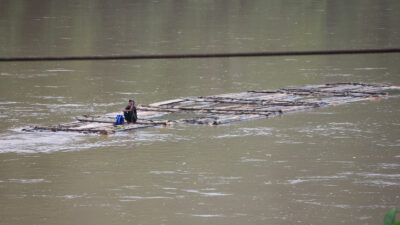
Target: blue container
pixel 119 120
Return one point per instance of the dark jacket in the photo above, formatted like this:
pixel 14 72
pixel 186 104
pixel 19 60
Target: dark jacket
pixel 131 115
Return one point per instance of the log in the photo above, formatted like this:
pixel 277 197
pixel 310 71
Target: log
pixel 112 120
pixel 252 102
pixel 168 102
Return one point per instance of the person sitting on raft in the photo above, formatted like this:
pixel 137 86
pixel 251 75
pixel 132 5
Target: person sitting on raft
pixel 130 112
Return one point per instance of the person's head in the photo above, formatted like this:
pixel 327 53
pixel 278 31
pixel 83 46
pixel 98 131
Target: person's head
pixel 131 101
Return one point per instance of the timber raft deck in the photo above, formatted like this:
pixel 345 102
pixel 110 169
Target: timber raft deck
pixel 228 108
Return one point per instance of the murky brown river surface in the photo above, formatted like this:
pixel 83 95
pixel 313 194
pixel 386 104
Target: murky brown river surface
pixel 338 165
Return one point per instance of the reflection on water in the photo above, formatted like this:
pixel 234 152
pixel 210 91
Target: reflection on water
pixel 337 165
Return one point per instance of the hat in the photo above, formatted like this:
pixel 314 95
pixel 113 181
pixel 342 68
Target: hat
pixel 132 100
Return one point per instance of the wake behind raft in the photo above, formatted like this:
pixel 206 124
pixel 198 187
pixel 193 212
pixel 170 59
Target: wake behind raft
pixel 228 108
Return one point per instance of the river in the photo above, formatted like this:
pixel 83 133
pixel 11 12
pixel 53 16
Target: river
pixel 337 165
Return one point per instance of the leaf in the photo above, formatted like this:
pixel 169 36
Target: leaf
pixel 397 223
pixel 389 217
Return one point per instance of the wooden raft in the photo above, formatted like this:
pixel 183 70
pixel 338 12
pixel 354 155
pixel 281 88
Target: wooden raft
pixel 228 108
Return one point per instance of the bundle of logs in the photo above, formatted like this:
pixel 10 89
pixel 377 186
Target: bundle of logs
pixel 228 108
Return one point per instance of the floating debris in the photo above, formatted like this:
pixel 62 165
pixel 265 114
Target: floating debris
pixel 228 108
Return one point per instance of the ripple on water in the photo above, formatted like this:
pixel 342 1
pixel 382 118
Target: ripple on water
pixel 128 198
pixel 380 175
pixel 315 179
pixel 207 194
pixel 338 75
pixel 335 130
pixel 242 132
pixel 314 202
pixel 207 215
pixel 47 142
pixel 389 165
pixel 71 196
pixel 218 180
pixel 8 103
pixel 36 142
pixel 162 172
pixel 60 70
pixel 28 181
pixel 371 68
pixel 378 183
pixel 373 179
pixel 245 160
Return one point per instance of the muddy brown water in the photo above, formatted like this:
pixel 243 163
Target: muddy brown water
pixel 337 165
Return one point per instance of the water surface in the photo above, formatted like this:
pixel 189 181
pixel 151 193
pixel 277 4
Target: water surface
pixel 337 165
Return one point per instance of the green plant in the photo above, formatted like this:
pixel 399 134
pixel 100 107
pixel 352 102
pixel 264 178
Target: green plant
pixel 390 217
